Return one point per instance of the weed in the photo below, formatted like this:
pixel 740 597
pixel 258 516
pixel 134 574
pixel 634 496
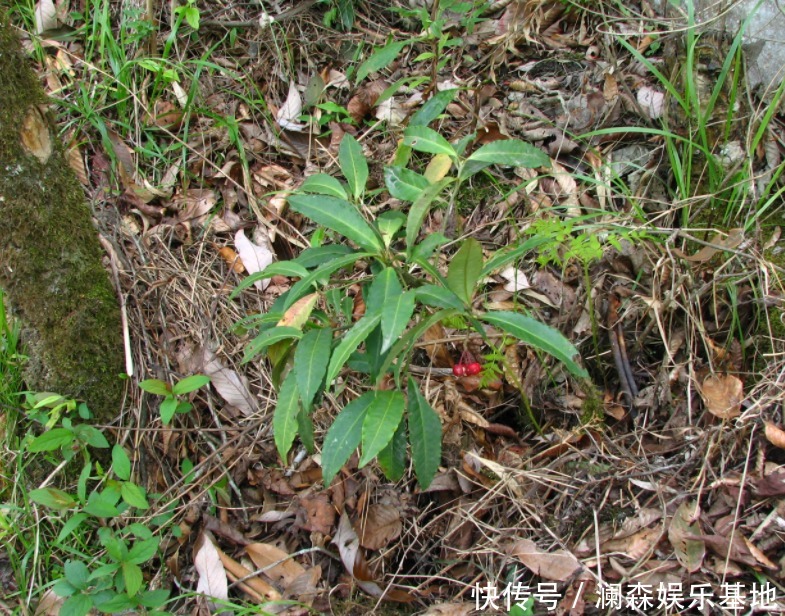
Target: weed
pixel 171 403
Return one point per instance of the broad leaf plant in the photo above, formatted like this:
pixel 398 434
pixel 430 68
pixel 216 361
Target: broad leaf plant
pixel 404 292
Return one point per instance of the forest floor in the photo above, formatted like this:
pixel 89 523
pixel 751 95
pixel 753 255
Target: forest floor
pixel 655 483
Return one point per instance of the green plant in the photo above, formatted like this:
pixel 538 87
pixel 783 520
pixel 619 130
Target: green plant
pixel 171 403
pixel 705 133
pixel 434 33
pixel 404 293
pixel 340 11
pixel 113 580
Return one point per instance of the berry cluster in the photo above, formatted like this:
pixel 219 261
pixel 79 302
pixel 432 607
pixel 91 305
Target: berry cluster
pixel 466 366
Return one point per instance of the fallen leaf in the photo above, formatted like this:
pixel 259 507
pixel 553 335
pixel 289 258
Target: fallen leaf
pixel 559 565
pixel 212 575
pixel 723 394
pixel 450 609
pixel 438 167
pixel 637 545
pixel 289 113
pixel 257 588
pixel 232 259
pixel 319 512
pixel 49 604
pixel 689 552
pixel 194 205
pixel 255 257
pixel 34 134
pixel 231 386
pixel 516 280
pixel 718 243
pixel 45 16
pixel 775 435
pixel 772 484
pixel 277 564
pixel 390 111
pixel 381 525
pixel 651 101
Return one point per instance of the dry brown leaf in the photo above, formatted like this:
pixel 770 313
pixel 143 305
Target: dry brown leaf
pixel 775 435
pixel 381 525
pixel 76 162
pixel 637 545
pixel 232 259
pixel 450 609
pixel 194 205
pixel 772 484
pixel 723 394
pixel 255 587
pixel 50 604
pixel 34 134
pixel 559 565
pixel 433 341
pixel 723 242
pixel 277 564
pixel 353 560
pixel 736 549
pixel 319 512
pixel 207 562
pixel 231 386
pixel 689 552
pixel 289 113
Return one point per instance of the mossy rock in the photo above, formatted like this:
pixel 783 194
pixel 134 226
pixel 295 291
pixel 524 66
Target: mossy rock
pixel 50 257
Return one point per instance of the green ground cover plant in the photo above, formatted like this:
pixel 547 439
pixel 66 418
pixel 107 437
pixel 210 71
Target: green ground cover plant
pixel 404 292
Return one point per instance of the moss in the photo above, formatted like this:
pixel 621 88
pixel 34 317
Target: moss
pixel 50 255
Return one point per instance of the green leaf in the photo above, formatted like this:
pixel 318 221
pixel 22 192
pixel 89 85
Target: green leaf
pixel 424 139
pixel 102 504
pixel 76 573
pixel 117 604
pixel 344 436
pixel 339 216
pixel 154 598
pixel 132 576
pixel 425 435
pixel 268 337
pixel 134 495
pixel 310 362
pixel 465 270
pixel 539 336
pixel 155 386
pixel 90 435
pixel 303 286
pixel 386 296
pixel 502 258
pixel 396 315
pixel 319 255
pixel 167 409
pixel 285 416
pixel 76 605
pixel 52 498
pixel 353 164
pixel 71 524
pixel 380 59
pixel 388 224
pixel 381 420
pixel 511 152
pixel 438 297
pixel 433 107
pixel 281 268
pixel 351 340
pixel 392 459
pixel 121 463
pixel 430 243
pixel 142 551
pixel 189 384
pixel 419 211
pixel 404 184
pixel 51 440
pixel 81 483
pixel 323 184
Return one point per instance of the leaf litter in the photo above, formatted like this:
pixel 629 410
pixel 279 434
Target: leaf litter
pixel 670 474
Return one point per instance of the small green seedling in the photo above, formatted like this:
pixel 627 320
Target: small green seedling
pixel 171 403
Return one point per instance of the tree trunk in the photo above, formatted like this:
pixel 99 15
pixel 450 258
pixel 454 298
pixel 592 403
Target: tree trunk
pixel 50 257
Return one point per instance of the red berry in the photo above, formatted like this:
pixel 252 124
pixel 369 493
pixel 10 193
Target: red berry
pixel 473 368
pixel 459 370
